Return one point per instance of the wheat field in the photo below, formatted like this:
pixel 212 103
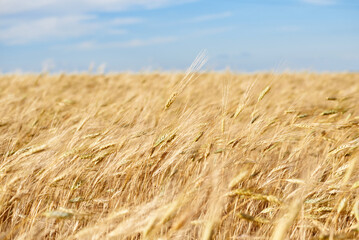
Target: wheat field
pixel 170 156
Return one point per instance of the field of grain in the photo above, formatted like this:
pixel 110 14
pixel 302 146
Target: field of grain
pixel 165 156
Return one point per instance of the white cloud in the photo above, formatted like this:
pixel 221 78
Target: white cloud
pixel 212 31
pixel 80 6
pixel 86 45
pixel 146 42
pixel 133 43
pixel 48 28
pixel 210 17
pixel 15 6
pixel 24 21
pixel 126 21
pixel 320 2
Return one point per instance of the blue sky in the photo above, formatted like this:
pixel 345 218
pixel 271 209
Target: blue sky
pixel 145 35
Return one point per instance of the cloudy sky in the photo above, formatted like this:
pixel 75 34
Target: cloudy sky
pixel 144 35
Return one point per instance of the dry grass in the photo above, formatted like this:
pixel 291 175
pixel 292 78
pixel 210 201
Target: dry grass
pixel 259 156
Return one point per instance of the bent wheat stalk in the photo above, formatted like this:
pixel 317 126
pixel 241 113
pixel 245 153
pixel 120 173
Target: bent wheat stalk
pixel 197 64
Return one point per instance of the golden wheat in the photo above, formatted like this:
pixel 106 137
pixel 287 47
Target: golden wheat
pixel 179 156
